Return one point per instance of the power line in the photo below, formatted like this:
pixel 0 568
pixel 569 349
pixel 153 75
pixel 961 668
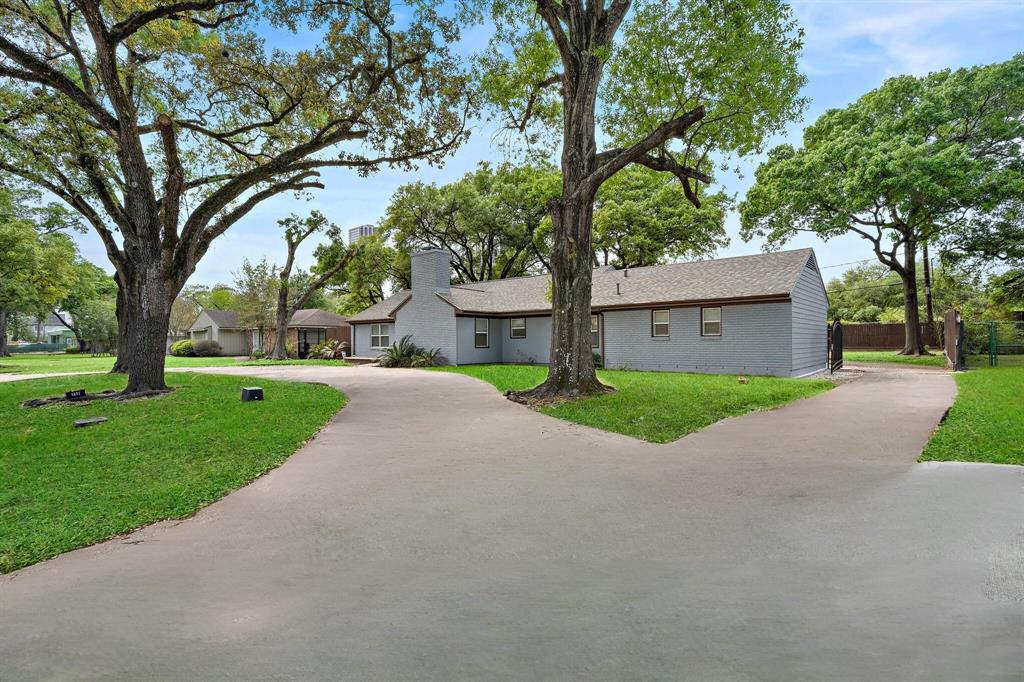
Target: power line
pixel 854 262
pixel 870 286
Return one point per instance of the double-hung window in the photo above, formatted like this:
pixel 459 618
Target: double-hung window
pixel 380 336
pixel 659 323
pixel 710 321
pixel 482 333
pixel 595 331
pixel 517 328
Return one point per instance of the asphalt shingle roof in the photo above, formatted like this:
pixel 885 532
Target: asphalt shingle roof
pixel 761 275
pixel 314 317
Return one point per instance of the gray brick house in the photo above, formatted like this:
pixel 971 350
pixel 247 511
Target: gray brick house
pixel 760 314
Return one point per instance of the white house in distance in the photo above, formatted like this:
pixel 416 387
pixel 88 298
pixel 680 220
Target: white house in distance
pixel 759 314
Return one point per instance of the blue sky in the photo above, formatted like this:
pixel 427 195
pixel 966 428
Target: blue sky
pixel 852 46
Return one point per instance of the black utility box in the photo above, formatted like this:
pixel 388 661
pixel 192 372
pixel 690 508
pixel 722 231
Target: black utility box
pixel 252 393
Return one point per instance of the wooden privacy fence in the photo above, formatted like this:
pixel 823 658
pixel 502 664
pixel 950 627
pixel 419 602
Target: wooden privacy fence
pixel 884 335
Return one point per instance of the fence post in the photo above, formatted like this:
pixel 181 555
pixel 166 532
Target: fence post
pixel 993 345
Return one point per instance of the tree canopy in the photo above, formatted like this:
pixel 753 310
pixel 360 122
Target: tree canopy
pixel 643 218
pixel 916 160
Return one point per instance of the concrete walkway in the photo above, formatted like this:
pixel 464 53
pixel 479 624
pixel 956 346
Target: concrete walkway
pixel 436 531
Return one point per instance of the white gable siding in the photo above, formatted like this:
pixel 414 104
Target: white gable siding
pixel 756 339
pixel 810 320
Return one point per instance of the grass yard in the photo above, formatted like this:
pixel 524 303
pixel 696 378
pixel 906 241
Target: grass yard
pixel 986 423
pixel 73 362
pixel 655 406
pixel 937 360
pixel 157 458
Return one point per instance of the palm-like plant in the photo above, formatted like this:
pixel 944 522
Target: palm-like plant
pixel 405 353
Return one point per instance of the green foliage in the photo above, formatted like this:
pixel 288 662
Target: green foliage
pixel 332 349
pixel 736 58
pixel 904 163
pixel 154 459
pixel 184 348
pixel 642 218
pixel 655 406
pixel 36 267
pixel 207 348
pixel 492 220
pixel 255 294
pixel 373 268
pixel 96 320
pixel 405 353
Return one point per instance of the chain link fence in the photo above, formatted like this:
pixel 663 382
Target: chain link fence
pixel 993 343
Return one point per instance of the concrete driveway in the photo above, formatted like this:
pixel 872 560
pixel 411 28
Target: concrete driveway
pixel 435 531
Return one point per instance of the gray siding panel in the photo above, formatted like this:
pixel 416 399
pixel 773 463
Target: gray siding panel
pixel 756 339
pixel 535 349
pixel 468 354
pixel 810 317
pixel 361 340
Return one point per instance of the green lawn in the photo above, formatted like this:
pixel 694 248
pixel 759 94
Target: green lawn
pixel 157 458
pixel 46 364
pixel 655 406
pixel 937 360
pixel 986 423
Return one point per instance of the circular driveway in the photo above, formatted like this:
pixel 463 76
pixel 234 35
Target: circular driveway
pixel 436 531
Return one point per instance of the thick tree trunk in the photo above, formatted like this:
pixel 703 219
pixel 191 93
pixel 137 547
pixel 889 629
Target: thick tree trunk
pixel 146 319
pixel 280 351
pixel 911 303
pixel 571 365
pixel 3 335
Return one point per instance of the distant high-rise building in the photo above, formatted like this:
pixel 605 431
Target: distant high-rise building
pixel 361 231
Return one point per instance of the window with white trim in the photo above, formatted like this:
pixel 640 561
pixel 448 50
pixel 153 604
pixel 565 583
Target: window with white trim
pixel 659 323
pixel 380 335
pixel 482 332
pixel 595 331
pixel 517 328
pixel 710 321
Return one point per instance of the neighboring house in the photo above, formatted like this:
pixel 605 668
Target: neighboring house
pixel 307 328
pixel 51 330
pixel 223 327
pixel 761 314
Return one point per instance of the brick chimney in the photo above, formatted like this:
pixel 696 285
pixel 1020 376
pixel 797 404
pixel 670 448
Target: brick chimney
pixel 431 271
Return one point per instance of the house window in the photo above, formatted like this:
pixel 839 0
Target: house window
pixel 595 331
pixel 517 328
pixel 482 332
pixel 379 336
pixel 659 323
pixel 710 321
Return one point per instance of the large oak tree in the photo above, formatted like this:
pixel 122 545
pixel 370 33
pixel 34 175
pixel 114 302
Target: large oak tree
pixel 164 123
pixel 673 86
pixel 930 159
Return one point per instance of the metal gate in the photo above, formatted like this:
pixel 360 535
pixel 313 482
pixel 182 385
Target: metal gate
pixel 835 347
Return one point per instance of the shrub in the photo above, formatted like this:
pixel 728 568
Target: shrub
pixel 598 362
pixel 257 354
pixel 207 348
pixel 186 348
pixel 330 350
pixel 72 350
pixel 405 353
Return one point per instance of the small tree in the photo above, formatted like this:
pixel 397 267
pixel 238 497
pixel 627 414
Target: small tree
pixel 35 268
pixel 296 231
pixel 372 269
pixel 256 286
pixel 917 160
pixel 685 82
pixel 97 323
pixel 91 283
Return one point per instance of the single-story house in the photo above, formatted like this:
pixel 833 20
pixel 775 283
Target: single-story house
pixel 759 314
pixel 307 328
